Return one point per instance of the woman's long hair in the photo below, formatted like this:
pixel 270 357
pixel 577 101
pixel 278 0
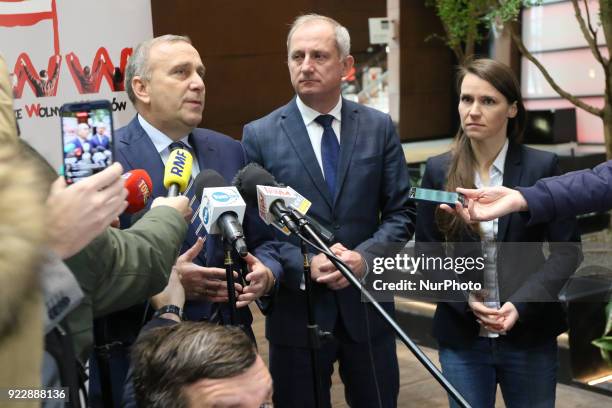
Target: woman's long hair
pixel 463 162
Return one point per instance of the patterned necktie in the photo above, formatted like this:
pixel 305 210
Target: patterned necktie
pixel 330 151
pixel 195 224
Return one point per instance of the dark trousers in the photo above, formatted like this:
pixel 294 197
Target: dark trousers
pixel 370 374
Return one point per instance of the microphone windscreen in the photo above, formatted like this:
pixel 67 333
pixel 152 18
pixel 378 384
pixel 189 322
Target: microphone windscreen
pixel 139 187
pixel 178 169
pixel 247 180
pixel 207 179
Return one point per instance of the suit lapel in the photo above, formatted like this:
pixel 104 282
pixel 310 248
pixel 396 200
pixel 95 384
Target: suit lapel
pixel 204 151
pixel 294 129
pixel 512 177
pixel 142 154
pixel 349 129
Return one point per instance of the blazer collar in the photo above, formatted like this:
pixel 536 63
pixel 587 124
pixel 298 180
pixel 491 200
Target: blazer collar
pixel 295 130
pixel 348 138
pixel 142 154
pixel 512 178
pixel 293 126
pixel 203 150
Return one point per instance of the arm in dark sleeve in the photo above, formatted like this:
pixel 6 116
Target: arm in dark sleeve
pixel 397 212
pixel 571 194
pixel 281 257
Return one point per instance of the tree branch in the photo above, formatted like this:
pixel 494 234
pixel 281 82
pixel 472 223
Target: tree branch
pixel 456 48
pixel 564 94
pixel 588 14
pixel 587 32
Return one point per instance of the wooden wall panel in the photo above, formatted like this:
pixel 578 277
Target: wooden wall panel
pixel 243 45
pixel 427 102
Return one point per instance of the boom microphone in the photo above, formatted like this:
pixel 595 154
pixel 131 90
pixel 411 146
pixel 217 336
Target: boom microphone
pixel 178 171
pixel 222 209
pixel 139 187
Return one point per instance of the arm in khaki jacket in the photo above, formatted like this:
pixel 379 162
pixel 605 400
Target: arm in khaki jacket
pixel 122 268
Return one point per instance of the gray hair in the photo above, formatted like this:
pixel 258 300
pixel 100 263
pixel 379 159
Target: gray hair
pixel 166 359
pixel 138 63
pixel 343 39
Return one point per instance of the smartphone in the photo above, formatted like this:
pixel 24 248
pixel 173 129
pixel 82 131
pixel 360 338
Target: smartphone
pixel 435 196
pixel 87 138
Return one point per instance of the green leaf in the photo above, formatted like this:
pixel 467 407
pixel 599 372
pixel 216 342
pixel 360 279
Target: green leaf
pixel 604 343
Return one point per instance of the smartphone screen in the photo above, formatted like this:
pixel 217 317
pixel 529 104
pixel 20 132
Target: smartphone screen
pixel 87 138
pixel 436 196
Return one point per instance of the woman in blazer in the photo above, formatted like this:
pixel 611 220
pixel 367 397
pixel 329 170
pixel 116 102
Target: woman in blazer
pixel 506 332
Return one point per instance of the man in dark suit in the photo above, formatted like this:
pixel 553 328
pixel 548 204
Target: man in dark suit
pixel 347 160
pixel 165 82
pixel 99 139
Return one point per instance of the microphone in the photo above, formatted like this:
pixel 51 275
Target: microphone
pixel 254 174
pixel 139 187
pixel 258 186
pixel 222 208
pixel 177 171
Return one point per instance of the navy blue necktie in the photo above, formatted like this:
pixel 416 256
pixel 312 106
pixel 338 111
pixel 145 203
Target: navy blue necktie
pixel 330 151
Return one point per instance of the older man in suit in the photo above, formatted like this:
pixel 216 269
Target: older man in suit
pixel 347 159
pixel 165 82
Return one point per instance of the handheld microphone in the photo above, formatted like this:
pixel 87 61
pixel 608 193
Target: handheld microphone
pixel 222 208
pixel 177 171
pixel 258 186
pixel 139 187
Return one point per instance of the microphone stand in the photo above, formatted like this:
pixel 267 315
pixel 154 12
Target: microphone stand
pixel 306 229
pixel 315 335
pixel 229 276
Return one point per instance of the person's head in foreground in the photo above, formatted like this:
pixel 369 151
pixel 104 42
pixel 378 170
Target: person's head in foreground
pixel 199 365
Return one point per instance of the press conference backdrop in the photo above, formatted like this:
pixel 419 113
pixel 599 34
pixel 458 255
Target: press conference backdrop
pixel 66 51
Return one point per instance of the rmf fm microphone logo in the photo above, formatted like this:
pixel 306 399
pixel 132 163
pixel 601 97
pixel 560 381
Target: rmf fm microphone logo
pixel 178 165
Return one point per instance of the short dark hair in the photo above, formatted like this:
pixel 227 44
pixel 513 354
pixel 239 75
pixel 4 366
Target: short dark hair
pixel 166 359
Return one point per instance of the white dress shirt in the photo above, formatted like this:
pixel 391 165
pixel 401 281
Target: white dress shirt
pixel 162 144
pixel 489 231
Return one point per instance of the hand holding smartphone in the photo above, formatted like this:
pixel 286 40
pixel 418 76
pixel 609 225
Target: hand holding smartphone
pixel 87 138
pixel 436 196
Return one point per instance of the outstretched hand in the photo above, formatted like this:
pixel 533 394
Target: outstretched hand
pixel 487 203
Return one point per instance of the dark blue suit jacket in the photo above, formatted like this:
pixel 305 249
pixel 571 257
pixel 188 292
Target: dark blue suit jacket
pixel 213 150
pixel 573 193
pixel 526 278
pixel 370 206
pixel 104 142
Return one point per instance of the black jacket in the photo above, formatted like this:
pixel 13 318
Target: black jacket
pixel 525 276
